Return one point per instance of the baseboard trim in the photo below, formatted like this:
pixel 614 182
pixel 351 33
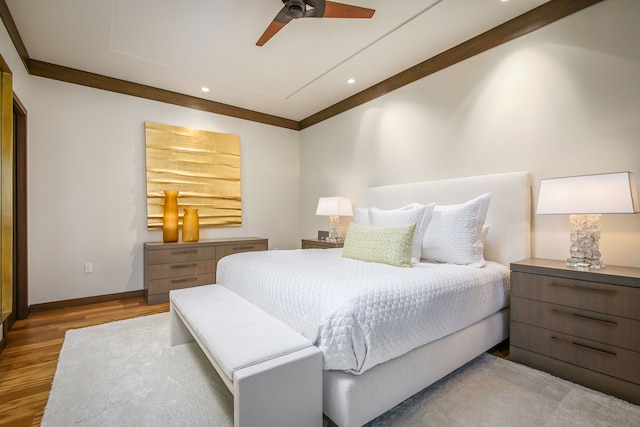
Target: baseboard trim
pixel 84 301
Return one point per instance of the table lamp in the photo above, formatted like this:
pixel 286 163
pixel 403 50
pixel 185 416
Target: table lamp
pixel 334 208
pixel 584 198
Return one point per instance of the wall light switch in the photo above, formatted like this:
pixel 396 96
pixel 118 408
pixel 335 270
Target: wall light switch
pixel 88 267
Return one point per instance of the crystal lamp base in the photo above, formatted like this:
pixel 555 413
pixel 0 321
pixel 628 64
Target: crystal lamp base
pixel 585 242
pixel 586 264
pixel 334 229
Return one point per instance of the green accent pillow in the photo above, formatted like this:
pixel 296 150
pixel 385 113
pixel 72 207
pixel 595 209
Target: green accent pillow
pixel 386 245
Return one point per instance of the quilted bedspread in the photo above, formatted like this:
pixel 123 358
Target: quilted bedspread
pixel 360 314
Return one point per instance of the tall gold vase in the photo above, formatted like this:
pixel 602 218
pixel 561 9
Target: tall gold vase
pixel 170 216
pixel 190 225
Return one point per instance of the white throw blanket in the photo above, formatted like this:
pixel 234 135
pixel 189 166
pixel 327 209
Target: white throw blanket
pixel 361 314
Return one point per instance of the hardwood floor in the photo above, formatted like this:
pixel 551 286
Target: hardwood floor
pixel 29 362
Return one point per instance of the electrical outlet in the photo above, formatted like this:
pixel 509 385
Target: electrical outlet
pixel 88 267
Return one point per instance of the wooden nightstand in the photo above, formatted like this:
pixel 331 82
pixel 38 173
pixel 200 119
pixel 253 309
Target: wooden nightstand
pixel 320 244
pixel 583 326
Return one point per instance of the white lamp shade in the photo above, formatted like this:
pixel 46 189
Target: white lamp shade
pixel 334 206
pixel 608 193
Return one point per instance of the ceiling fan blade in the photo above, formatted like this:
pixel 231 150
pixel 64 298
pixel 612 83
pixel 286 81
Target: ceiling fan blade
pixel 341 10
pixel 271 31
pixel 278 23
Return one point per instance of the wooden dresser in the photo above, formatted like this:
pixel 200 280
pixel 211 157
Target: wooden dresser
pixel 169 266
pixel 583 326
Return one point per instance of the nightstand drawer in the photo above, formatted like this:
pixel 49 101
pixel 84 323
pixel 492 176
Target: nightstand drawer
pixel 600 297
pixel 607 359
pixel 163 286
pixel 225 250
pixel 178 255
pixel 159 271
pixel 320 244
pixel 605 328
pixel 313 246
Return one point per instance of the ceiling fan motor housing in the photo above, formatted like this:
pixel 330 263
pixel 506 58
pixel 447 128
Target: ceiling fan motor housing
pixel 296 8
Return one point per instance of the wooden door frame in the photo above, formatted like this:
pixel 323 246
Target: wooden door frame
pixel 21 270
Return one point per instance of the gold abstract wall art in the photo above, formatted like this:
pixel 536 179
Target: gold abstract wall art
pixel 203 166
pixel 7 226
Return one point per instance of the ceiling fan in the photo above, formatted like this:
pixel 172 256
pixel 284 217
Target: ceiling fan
pixel 294 9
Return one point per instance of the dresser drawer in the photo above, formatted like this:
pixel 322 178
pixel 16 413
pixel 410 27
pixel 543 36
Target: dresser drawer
pixel 604 358
pixel 604 328
pixel 169 266
pixel 178 255
pixel 599 297
pixel 163 286
pixel 159 271
pixel 224 250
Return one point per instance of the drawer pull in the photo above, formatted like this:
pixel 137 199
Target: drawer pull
pixel 582 316
pixel 586 347
pixel 183 251
pixel 193 264
pixel 584 288
pixel 241 248
pixel 186 279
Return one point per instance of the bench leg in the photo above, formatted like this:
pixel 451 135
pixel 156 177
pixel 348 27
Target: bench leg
pixel 179 333
pixel 282 392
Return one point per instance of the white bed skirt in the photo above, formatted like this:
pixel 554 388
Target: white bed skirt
pixel 353 400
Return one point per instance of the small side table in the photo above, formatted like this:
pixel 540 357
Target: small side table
pixel 320 244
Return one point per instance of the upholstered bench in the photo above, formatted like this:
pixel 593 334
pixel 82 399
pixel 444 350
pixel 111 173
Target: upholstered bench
pixel 274 373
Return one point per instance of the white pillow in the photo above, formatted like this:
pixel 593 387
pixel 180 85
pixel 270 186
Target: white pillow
pixel 455 233
pixel 483 236
pixel 414 213
pixel 361 216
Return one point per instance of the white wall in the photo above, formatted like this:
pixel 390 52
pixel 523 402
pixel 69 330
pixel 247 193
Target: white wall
pixel 87 186
pixel 563 100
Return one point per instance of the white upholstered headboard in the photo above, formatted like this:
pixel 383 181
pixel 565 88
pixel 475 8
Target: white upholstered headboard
pixel 509 213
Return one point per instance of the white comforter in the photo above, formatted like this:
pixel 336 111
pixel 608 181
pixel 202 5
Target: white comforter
pixel 361 314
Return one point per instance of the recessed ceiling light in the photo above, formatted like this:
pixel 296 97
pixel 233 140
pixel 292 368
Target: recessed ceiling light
pixel 351 81
pixel 204 89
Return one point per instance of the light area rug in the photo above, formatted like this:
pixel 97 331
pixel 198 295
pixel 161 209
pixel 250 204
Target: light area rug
pixel 126 374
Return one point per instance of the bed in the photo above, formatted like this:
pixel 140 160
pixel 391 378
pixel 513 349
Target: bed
pixel 387 332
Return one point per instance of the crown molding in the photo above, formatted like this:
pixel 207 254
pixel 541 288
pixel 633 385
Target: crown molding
pixel 98 81
pixel 10 25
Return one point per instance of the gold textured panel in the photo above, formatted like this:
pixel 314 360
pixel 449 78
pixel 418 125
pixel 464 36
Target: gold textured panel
pixel 6 190
pixel 203 166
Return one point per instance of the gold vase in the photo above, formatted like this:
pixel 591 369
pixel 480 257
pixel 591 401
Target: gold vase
pixel 170 216
pixel 190 225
